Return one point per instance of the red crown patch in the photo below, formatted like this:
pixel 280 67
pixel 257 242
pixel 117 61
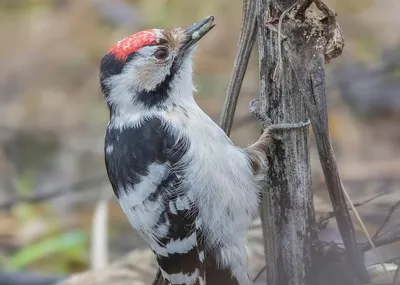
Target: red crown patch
pixel 132 43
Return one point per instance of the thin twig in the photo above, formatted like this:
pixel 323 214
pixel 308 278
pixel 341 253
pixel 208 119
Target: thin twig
pixel 331 214
pixel 388 231
pixel 259 273
pixel 41 197
pixel 387 218
pixel 278 68
pixel 381 241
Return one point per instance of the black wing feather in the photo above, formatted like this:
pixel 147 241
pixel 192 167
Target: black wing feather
pixel 133 151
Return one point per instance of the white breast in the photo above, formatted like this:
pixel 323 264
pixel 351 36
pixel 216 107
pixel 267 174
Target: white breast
pixel 219 174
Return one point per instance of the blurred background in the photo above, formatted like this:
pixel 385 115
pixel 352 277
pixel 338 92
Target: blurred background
pixel 53 119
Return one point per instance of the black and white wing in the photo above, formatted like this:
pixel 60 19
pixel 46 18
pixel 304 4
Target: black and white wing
pixel 144 165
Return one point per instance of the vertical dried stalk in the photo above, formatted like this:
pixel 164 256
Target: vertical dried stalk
pixel 287 209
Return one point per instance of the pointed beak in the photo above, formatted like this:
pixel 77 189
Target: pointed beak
pixel 196 31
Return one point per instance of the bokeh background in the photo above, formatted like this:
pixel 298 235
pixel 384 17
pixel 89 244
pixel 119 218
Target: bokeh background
pixel 53 117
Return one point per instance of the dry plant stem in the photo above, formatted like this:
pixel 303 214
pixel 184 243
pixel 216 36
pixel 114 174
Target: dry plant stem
pixel 314 95
pixel 319 122
pixel 287 204
pixel 247 38
pixel 309 72
pixel 379 257
pixel 99 239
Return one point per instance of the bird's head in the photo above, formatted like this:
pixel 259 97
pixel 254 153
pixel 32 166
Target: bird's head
pixel 144 69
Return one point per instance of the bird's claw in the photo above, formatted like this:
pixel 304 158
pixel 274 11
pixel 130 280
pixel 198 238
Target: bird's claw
pixel 256 110
pixel 288 126
pixel 273 128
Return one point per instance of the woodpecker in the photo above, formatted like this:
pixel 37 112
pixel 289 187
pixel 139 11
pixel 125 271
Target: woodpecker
pixel 182 183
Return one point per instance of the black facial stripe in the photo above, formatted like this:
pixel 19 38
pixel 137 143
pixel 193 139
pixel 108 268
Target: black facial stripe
pixel 156 96
pixel 160 93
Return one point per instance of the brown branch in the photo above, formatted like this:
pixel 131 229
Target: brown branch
pixel 246 41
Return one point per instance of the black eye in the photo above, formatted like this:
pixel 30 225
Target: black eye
pixel 161 53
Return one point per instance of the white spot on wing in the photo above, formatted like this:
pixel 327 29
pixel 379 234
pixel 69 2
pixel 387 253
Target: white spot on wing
pixel 198 223
pixel 190 195
pixel 109 149
pixel 182 203
pixel 201 256
pixel 172 208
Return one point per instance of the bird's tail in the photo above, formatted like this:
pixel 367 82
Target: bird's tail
pixel 208 271
pixel 216 275
pixel 182 268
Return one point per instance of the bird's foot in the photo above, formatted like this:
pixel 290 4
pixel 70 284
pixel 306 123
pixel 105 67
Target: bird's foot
pixel 255 109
